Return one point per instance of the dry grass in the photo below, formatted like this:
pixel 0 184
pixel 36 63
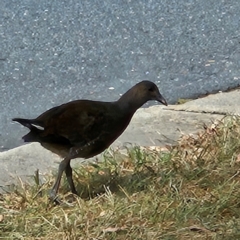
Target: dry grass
pixel 190 191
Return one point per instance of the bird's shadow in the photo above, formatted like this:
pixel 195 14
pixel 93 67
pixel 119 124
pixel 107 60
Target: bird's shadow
pixel 133 182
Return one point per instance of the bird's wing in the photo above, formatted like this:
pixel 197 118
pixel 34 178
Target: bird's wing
pixel 80 122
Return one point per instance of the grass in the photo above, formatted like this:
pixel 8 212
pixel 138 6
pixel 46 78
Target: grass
pixel 183 100
pixel 188 191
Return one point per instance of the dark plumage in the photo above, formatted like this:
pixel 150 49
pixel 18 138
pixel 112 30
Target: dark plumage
pixel 85 128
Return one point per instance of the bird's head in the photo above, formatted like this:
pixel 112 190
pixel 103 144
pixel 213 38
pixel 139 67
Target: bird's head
pixel 150 91
pixel 141 93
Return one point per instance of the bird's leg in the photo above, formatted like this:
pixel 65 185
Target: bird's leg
pixel 62 167
pixel 68 172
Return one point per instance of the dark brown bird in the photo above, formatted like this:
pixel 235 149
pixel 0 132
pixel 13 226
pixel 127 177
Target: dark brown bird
pixel 85 128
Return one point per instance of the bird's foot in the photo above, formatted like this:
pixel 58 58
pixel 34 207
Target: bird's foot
pixel 54 198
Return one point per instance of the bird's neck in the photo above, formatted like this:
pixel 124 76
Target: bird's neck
pixel 130 101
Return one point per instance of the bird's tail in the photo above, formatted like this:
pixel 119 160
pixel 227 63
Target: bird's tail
pixel 34 134
pixel 25 122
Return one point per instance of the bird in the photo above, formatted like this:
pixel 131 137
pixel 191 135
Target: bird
pixel 85 128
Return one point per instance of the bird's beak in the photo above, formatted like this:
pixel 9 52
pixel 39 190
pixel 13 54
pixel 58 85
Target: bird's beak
pixel 161 99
